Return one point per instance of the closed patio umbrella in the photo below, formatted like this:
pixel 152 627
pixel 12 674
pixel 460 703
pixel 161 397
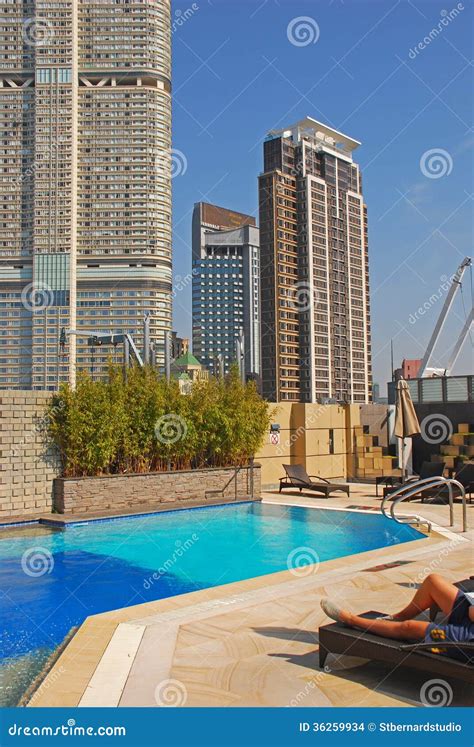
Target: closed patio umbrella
pixel 406 422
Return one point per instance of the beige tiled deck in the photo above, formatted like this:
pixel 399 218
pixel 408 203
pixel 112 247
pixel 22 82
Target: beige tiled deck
pixel 254 642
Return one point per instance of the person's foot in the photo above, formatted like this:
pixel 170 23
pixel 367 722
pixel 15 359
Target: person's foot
pixel 335 612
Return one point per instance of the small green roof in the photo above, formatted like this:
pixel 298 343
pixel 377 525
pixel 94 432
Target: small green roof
pixel 187 359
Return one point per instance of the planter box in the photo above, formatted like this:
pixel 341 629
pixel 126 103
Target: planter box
pixel 81 495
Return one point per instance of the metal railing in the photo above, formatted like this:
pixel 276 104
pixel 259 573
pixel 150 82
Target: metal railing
pixel 410 489
pixel 233 478
pixel 440 390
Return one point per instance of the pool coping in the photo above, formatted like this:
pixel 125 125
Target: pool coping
pixel 85 652
pixel 70 520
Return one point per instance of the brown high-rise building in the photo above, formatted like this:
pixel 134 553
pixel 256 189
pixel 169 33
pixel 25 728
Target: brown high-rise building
pixel 315 310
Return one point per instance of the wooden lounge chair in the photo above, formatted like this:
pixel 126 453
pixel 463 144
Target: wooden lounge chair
pixel 428 469
pixel 297 477
pixel 338 639
pixel 466 585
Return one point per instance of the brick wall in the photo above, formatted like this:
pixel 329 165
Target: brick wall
pixel 27 469
pixel 122 492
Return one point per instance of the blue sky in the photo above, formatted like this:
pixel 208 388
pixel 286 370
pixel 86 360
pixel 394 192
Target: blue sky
pixel 237 73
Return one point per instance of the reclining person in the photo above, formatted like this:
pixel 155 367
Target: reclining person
pixel 459 627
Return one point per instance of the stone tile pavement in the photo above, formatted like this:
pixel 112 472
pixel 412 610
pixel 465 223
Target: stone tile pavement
pixel 255 642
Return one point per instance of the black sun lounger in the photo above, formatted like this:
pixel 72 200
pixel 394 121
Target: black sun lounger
pixel 338 639
pixel 428 469
pixel 297 477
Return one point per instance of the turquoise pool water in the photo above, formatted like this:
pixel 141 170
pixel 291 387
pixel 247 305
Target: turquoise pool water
pixel 51 580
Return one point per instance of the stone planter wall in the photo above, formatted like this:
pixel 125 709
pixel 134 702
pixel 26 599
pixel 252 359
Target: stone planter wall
pixel 125 492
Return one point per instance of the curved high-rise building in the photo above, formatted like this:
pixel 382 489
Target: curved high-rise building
pixel 85 182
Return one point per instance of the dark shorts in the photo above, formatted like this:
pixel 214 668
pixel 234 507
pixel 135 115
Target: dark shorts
pixel 458 629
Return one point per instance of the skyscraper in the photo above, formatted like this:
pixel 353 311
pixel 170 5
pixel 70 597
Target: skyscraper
pixel 316 337
pixel 85 180
pixel 226 292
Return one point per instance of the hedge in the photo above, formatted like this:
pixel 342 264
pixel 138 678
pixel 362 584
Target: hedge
pixel 142 423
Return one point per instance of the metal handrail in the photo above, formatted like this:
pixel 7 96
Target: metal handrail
pixel 221 491
pixel 410 489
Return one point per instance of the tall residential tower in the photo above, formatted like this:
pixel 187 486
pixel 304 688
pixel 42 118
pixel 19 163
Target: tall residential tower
pixel 226 292
pixel 85 181
pixel 316 339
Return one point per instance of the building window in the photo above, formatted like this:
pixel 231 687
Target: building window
pixel 64 75
pixel 331 440
pixel 43 75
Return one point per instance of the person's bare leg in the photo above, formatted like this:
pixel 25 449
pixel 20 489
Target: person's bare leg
pixel 434 590
pixel 407 630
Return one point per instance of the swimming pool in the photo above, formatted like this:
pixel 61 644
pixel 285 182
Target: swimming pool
pixel 51 580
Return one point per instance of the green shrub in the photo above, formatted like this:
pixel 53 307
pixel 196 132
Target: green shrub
pixel 143 423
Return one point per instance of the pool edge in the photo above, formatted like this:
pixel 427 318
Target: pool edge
pixel 84 652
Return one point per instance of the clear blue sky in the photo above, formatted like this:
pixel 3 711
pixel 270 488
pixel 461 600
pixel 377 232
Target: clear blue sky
pixel 237 75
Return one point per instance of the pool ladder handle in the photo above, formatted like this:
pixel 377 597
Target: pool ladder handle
pixel 221 491
pixel 415 488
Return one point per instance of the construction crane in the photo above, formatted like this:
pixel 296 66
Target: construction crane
pixel 456 285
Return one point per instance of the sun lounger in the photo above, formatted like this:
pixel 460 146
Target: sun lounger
pixel 464 475
pixel 338 639
pixel 428 469
pixel 297 477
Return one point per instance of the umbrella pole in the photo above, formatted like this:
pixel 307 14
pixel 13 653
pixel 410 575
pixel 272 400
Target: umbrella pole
pixel 403 461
